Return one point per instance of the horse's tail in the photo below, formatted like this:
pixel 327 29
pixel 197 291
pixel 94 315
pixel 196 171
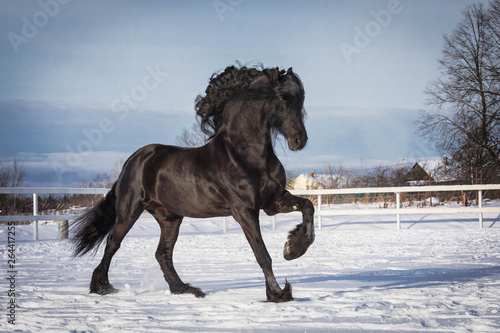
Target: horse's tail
pixel 90 228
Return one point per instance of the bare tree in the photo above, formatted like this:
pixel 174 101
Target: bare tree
pixel 195 138
pixel 398 175
pixel 117 169
pixel 19 173
pixel 13 176
pixel 5 175
pixel 336 176
pixel 464 103
pixel 380 176
pixel 101 180
pixel 493 31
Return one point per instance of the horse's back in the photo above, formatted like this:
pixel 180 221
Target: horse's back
pixel 142 167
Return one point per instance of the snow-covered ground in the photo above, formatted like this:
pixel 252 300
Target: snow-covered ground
pixel 439 273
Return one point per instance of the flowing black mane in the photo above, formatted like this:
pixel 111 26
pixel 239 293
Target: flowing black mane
pixel 233 83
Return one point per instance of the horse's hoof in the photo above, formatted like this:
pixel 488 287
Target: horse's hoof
pixel 284 296
pixel 187 289
pixel 298 242
pixel 104 289
pixel 293 250
pixel 197 292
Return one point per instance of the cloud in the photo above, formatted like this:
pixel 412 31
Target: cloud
pixel 360 133
pixel 42 127
pixel 63 143
pixel 63 169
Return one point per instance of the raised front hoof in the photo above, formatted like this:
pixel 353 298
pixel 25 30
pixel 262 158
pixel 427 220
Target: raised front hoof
pixel 103 289
pixel 298 242
pixel 187 289
pixel 283 296
pixel 293 251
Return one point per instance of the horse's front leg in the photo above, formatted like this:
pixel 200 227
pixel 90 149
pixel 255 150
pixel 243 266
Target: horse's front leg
pixel 249 222
pixel 300 238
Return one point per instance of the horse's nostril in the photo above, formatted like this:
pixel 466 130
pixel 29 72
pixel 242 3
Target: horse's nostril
pixel 297 142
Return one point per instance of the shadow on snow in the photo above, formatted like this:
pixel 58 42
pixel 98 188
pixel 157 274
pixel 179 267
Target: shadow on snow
pixel 401 279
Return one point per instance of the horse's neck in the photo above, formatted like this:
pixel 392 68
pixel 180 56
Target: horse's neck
pixel 247 136
pixel 249 150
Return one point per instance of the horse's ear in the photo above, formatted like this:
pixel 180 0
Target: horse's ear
pixel 275 74
pixel 289 71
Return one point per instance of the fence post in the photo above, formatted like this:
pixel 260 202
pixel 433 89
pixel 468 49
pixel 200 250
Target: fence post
pixel 430 193
pixel 274 222
pixel 63 230
pixel 320 222
pixel 398 206
pixel 224 225
pixel 35 213
pixel 480 205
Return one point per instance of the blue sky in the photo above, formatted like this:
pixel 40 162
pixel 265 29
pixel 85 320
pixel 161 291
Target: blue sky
pixel 85 83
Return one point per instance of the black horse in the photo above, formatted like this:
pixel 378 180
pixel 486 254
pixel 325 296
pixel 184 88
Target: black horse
pixel 236 173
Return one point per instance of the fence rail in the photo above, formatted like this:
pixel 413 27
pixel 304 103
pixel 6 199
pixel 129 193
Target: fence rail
pixel 35 191
pixel 398 210
pixel 52 190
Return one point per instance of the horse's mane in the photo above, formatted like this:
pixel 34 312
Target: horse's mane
pixel 231 84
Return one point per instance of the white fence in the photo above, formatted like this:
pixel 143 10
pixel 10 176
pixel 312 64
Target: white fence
pixel 319 213
pixel 35 191
pixel 398 210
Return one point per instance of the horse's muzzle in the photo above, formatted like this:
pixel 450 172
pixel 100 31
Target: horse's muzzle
pixel 297 143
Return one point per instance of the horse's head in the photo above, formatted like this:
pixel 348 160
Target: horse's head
pixel 281 92
pixel 288 114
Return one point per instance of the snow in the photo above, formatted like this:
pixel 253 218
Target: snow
pixel 439 273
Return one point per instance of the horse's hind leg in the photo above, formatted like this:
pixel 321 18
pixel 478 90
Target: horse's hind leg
pixel 100 282
pixel 164 254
